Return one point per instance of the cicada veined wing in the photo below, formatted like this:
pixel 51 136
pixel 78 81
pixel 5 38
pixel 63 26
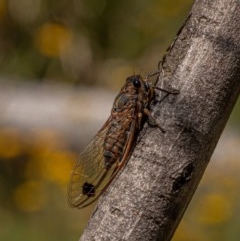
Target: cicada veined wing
pixel 90 176
pixel 86 178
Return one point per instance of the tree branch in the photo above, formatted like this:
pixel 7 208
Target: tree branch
pixel 148 199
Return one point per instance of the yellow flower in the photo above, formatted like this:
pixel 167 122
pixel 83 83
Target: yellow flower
pixel 215 209
pixel 29 196
pixel 52 39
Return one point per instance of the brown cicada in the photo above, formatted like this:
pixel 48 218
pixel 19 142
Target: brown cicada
pixel 109 150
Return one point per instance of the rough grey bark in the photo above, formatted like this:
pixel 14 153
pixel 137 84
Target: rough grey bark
pixel 148 199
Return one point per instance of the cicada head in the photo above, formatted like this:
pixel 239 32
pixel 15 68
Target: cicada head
pixel 141 89
pixel 135 84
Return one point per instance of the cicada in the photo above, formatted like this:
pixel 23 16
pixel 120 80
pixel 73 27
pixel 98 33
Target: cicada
pixel 109 149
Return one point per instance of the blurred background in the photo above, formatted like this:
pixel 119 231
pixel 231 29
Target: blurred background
pixel 61 64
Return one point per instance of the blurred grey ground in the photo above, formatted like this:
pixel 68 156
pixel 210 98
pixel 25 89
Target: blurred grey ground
pixel 76 112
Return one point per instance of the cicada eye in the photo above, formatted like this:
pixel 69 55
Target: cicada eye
pixel 136 83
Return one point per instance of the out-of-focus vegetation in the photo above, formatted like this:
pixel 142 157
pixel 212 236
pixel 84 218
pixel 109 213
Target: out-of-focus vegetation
pixel 92 43
pixel 85 41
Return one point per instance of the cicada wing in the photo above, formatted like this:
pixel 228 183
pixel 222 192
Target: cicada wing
pixel 89 175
